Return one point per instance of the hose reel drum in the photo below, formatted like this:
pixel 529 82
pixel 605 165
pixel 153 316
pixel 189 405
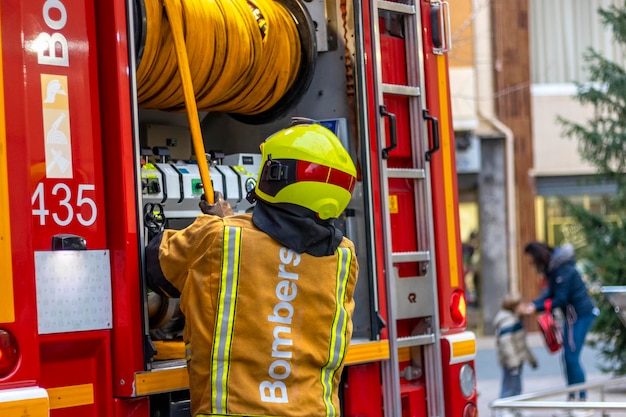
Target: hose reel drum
pixel 301 71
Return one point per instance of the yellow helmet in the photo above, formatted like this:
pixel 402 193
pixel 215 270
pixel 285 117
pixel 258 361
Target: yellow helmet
pixel 306 165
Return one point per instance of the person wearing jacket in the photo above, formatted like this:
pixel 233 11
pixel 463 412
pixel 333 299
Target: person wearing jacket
pixel 268 296
pixel 511 345
pixel 568 293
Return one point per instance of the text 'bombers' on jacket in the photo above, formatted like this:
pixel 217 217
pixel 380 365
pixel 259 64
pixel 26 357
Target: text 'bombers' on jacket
pixel 267 329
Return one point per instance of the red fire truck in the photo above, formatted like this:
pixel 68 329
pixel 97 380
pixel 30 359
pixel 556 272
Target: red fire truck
pixel 96 154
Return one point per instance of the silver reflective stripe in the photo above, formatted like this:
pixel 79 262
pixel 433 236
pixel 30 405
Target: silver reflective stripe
pixel 225 319
pixel 337 348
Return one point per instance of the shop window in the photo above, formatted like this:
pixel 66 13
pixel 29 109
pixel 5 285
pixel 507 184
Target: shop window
pixel 555 226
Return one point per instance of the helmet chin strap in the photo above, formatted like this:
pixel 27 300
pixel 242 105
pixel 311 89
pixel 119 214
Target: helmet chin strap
pixel 251 196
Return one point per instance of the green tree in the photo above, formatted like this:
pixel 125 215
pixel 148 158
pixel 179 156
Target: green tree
pixel 602 143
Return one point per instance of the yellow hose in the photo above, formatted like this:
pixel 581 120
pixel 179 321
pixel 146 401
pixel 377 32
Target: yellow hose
pixel 232 56
pixel 173 8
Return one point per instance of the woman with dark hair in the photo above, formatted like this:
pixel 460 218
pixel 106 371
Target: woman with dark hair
pixel 568 293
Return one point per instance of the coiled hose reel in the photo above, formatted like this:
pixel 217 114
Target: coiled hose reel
pixel 200 17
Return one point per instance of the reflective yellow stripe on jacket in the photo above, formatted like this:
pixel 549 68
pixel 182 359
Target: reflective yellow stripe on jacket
pixel 225 319
pixel 338 343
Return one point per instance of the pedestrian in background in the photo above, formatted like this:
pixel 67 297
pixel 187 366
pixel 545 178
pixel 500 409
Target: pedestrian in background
pixel 471 269
pixel 511 345
pixel 568 293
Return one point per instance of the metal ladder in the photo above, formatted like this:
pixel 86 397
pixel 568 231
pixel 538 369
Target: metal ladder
pixel 417 174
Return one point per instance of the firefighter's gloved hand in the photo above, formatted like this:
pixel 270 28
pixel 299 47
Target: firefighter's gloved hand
pixel 220 208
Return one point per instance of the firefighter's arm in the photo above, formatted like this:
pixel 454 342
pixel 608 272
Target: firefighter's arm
pixel 170 255
pixel 156 280
pixel 220 207
pixel 354 274
pixel 349 302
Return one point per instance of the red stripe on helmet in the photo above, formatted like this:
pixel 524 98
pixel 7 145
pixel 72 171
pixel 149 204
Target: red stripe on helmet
pixel 309 171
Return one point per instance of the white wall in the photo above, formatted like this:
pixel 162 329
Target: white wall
pixel 463 98
pixel 554 153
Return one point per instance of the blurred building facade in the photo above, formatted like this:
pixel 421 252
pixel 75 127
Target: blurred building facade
pixel 513 66
pixel 572 27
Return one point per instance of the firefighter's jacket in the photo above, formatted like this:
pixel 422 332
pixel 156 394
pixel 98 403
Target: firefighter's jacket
pixel 266 329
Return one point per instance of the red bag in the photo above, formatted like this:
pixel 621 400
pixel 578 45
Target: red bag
pixel 551 332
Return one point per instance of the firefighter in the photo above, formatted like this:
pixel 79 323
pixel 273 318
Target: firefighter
pixel 268 296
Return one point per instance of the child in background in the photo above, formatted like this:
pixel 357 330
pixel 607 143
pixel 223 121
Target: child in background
pixel 512 348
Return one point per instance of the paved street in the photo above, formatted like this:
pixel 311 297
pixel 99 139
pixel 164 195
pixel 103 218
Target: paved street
pixel 549 375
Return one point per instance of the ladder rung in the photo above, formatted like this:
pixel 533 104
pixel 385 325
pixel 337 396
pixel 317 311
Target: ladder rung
pixel 396 7
pixel 425 339
pixel 405 173
pixel 404 257
pixel 401 90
